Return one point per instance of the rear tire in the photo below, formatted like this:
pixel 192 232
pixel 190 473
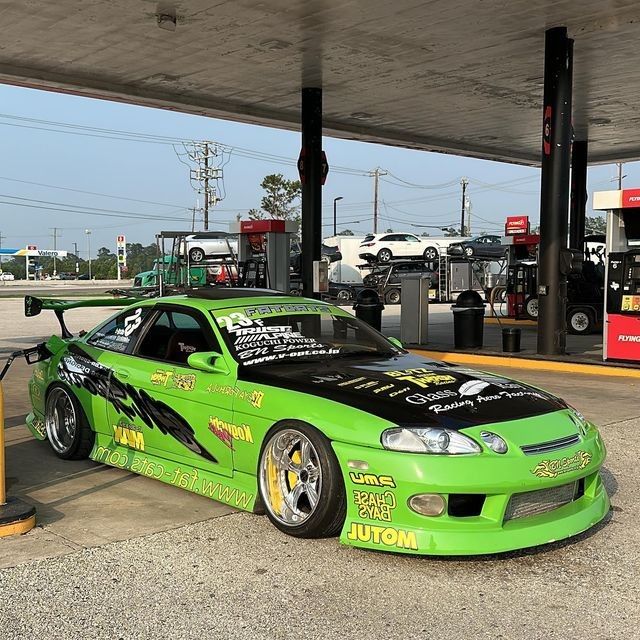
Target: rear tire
pixel 579 322
pixel 430 254
pixel 392 296
pixel 196 254
pixel 66 424
pixel 384 255
pixel 468 251
pixel 531 307
pixel 300 482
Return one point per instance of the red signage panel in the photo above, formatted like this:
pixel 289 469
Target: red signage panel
pixel 623 337
pixel 516 225
pixel 262 226
pixel 630 198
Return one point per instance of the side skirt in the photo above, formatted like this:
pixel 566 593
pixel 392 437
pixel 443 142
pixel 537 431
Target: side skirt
pixel 239 491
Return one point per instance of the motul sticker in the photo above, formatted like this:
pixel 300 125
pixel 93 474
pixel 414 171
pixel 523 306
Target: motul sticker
pixel 546 131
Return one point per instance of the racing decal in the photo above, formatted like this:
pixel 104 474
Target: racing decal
pixel 38 374
pixel 423 398
pixel 35 390
pixel 375 506
pixel 191 480
pixel 554 468
pixel 473 387
pixel 422 377
pixel 170 379
pixel 227 431
pixel 372 479
pixel 131 323
pixel 128 435
pixel 39 427
pixel 253 397
pixel 78 369
pixel 273 309
pixel 386 536
pixel 472 404
pixel 117 334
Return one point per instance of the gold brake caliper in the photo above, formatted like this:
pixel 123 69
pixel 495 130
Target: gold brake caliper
pixel 296 458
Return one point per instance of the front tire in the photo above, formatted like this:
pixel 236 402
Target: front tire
pixel 468 251
pixel 67 427
pixel 531 307
pixel 300 482
pixel 392 296
pixel 384 255
pixel 579 322
pixel 344 295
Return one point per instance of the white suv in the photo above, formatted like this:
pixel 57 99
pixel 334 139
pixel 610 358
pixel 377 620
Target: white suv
pixel 215 244
pixel 384 247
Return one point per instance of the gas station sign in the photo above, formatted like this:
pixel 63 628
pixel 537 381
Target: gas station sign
pixel 516 225
pixel 121 248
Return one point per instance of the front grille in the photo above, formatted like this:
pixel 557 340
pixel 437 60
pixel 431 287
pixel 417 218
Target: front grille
pixel 533 503
pixel 551 445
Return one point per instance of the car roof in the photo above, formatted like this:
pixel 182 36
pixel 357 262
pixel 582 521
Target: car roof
pixel 228 297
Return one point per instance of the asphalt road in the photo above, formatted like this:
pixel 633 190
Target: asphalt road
pixel 235 576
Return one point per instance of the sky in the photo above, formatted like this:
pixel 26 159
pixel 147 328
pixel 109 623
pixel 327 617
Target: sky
pixel 56 148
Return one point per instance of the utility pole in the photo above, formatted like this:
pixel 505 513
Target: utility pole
pixel 376 173
pixel 464 182
pixel 75 253
pixel 55 246
pixel 1 236
pixel 620 176
pixel 206 186
pixel 468 205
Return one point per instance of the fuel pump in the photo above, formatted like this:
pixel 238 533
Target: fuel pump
pixel 263 252
pixel 522 248
pixel 622 275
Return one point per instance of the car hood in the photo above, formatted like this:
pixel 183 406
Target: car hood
pixel 410 390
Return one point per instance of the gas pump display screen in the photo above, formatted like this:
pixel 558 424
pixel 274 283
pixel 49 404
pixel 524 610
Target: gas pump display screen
pixel 631 219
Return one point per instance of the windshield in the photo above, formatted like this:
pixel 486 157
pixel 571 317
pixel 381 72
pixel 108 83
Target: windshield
pixel 289 333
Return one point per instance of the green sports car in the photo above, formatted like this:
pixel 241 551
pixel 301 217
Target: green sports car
pixel 294 408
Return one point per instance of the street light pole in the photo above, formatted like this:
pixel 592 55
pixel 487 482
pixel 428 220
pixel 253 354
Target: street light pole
pixel 334 214
pixel 88 232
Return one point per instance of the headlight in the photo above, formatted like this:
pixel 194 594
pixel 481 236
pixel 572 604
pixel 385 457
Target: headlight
pixel 494 442
pixel 579 420
pixel 428 440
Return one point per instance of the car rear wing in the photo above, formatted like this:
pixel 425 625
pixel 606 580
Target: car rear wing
pixel 33 306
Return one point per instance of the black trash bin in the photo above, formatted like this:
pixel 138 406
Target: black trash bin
pixel 368 308
pixel 468 320
pixel 511 340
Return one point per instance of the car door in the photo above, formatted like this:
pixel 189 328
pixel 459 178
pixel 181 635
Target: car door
pixel 177 412
pixel 412 247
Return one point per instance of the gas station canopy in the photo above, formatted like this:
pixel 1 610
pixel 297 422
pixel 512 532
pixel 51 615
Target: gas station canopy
pixel 451 75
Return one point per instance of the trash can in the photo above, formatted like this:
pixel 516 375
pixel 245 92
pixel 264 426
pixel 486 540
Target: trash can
pixel 368 308
pixel 468 320
pixel 511 340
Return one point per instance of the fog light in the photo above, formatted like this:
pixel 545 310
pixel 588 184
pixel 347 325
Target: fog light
pixel 427 504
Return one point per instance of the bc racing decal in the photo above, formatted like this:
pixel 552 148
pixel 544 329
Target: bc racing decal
pixel 386 536
pixel 371 479
pixel 375 506
pixel 78 369
pixel 554 468
pixel 422 377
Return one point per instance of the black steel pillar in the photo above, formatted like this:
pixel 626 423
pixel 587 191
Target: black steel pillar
pixel 311 185
pixel 578 206
pixel 554 197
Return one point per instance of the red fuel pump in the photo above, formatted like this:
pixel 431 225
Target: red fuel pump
pixel 622 276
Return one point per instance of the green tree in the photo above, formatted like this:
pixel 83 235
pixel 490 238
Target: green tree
pixel 425 234
pixel 346 232
pixel 597 224
pixel 281 199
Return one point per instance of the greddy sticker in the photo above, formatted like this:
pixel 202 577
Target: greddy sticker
pixel 554 468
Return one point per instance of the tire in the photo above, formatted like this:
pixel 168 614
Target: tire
pixel 392 296
pixel 531 307
pixel 344 295
pixel 196 254
pixel 73 440
pixel 384 255
pixel 282 468
pixel 295 292
pixel 579 322
pixel 468 251
pixel 430 254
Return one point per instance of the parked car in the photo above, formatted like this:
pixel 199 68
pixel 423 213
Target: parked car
pixel 339 292
pixel 212 244
pixel 6 275
pixel 327 253
pixel 294 408
pixel 388 279
pixel 488 246
pixel 385 247
pixel 67 276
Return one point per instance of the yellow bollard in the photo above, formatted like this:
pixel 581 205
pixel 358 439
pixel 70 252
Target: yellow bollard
pixel 16 516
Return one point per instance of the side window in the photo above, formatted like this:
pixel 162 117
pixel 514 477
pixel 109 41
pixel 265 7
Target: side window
pixel 388 239
pixel 173 336
pixel 120 333
pixel 410 238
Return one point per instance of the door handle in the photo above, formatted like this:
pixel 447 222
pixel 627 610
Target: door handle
pixel 121 373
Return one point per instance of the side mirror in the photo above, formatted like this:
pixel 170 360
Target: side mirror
pixel 395 342
pixel 208 361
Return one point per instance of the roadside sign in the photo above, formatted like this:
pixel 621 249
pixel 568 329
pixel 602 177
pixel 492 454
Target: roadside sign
pixel 516 225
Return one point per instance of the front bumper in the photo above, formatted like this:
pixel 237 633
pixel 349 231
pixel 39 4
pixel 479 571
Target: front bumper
pixel 378 515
